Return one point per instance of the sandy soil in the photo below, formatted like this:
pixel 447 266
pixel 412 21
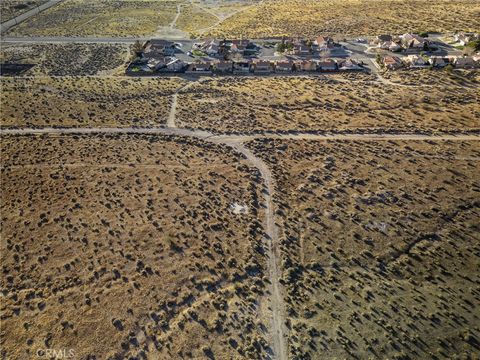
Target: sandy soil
pixel 67 59
pixel 128 245
pixel 86 101
pixel 334 102
pixel 379 246
pixel 121 18
pixel 309 18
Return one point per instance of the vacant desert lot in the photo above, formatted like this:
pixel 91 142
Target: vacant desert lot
pixel 12 8
pixel 121 246
pixel 380 247
pixel 193 17
pixel 275 18
pixel 86 101
pixel 100 18
pixel 336 102
pixel 439 78
pixel 67 59
pixel 223 9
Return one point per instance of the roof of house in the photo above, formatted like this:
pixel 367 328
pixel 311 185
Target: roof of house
pixel 284 63
pixel 413 37
pixel 327 62
pixel 305 62
pixel 323 39
pixel 464 60
pixel 261 63
pixel 438 60
pixel 160 43
pixel 390 60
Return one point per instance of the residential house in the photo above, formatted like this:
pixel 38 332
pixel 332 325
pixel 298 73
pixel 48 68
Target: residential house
pixel 159 48
pixel 390 46
pixel 305 65
pixel 261 67
pixel 167 64
pixel 224 67
pixel 414 41
pixel 464 62
pixel 301 49
pixel 350 65
pixel 438 61
pixel 210 47
pixel 392 62
pixel 327 65
pixel 464 38
pixel 284 66
pixel 242 46
pixel 201 67
pixel 324 42
pixel 241 67
pixel 152 63
pixel 416 61
pixel 476 58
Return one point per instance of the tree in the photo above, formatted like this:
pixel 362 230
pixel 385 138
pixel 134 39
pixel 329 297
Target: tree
pixel 281 47
pixel 137 49
pixel 475 45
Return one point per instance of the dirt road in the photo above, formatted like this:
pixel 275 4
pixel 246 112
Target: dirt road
pixel 201 134
pixel 278 329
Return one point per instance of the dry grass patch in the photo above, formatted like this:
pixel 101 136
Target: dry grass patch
pixel 275 18
pixel 12 8
pixel 328 103
pixel 100 18
pixel 193 18
pixel 380 246
pixel 87 101
pixel 71 59
pixel 437 78
pixel 127 246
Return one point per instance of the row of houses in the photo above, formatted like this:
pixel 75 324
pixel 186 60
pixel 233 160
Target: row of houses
pixel 304 47
pixel 226 49
pixel 406 42
pixel 463 38
pixel 269 66
pixel 245 66
pixel 417 61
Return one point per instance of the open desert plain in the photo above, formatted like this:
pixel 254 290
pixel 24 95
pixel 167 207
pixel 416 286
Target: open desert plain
pixel 240 179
